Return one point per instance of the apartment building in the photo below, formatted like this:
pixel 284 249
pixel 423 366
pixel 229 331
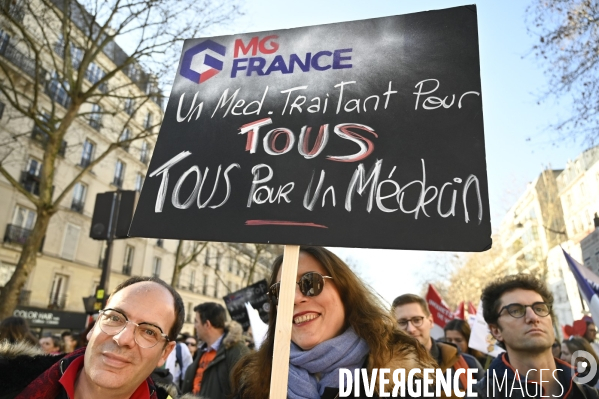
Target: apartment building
pixel 69 262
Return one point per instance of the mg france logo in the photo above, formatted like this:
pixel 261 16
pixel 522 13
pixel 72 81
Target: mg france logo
pixel 203 61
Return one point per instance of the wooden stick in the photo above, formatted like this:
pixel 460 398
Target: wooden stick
pixel 280 358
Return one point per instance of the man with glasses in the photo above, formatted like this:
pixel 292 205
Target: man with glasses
pixel 517 309
pixel 209 374
pixel 134 333
pixel 414 317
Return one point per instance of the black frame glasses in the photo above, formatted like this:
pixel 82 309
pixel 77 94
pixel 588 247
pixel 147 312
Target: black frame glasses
pixel 310 284
pixel 517 310
pixel 416 322
pixel 113 322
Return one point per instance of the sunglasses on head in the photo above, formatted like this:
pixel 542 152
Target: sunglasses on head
pixel 310 284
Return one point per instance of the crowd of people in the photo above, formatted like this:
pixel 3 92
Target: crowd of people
pixel 136 349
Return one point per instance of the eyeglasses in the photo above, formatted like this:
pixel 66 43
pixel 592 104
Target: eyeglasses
pixel 310 284
pixel 191 344
pixel 518 310
pixel 146 335
pixel 416 322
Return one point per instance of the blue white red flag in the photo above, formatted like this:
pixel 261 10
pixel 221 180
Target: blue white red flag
pixel 588 282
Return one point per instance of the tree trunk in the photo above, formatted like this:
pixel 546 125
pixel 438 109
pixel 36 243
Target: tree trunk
pixel 10 293
pixel 177 269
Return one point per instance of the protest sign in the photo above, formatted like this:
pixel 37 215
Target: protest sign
pixel 481 338
pixel 357 134
pixel 255 295
pixel 439 310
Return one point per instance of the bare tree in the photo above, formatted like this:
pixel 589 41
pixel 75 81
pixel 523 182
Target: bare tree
pixel 54 71
pixel 187 252
pixel 464 276
pixel 568 49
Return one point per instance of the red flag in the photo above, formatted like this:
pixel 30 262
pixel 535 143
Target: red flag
pixel 439 309
pixel 459 313
pixel 471 309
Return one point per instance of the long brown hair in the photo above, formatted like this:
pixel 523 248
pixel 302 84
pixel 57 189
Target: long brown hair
pixel 363 311
pixel 15 329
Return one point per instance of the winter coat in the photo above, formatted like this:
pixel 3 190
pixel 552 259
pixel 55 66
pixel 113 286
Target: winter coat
pixel 517 387
pixel 216 383
pixel 28 373
pixel 448 355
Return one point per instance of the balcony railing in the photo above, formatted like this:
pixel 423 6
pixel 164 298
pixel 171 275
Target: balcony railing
pixel 16 234
pixel 95 123
pixel 117 181
pixel 42 137
pixel 58 302
pixel 23 62
pixel 84 162
pixel 77 206
pixel 13 8
pixel 30 182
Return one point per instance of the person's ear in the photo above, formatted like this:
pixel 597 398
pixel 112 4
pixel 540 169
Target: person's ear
pixel 431 320
pixel 496 332
pixel 165 352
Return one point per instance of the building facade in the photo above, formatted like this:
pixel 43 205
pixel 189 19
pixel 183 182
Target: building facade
pixel 128 111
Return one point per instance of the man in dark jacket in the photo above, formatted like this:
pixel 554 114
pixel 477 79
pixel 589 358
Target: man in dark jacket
pixel 517 309
pixel 133 335
pixel 414 317
pixel 209 375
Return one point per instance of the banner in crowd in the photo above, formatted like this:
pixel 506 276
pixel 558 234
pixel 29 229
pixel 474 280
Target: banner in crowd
pixel 372 138
pixel 255 295
pixel 588 283
pixel 481 338
pixel 439 310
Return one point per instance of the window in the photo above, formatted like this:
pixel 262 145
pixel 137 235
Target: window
pixel 58 293
pixel 128 261
pixel 144 154
pixel 79 193
pixel 88 153
pixel 216 289
pixel 22 224
pixel 157 265
pixel 160 243
pixel 24 218
pixel 57 90
pixel 205 285
pixel 4 40
pixel 30 177
pixel 126 135
pixel 1 109
pixel 119 173
pixel 207 257
pixel 148 122
pixel 190 313
pixel 192 280
pixel 94 73
pixel 69 244
pixel 139 182
pixel 129 106
pixel 34 167
pixel 95 118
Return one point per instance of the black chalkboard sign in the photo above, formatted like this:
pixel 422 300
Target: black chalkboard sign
pixel 357 134
pixel 255 294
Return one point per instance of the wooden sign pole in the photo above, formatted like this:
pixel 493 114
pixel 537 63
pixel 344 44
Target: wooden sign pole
pixel 280 358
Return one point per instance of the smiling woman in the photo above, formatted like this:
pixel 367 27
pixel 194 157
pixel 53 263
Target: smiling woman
pixel 338 323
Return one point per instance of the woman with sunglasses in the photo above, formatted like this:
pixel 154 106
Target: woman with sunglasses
pixel 337 323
